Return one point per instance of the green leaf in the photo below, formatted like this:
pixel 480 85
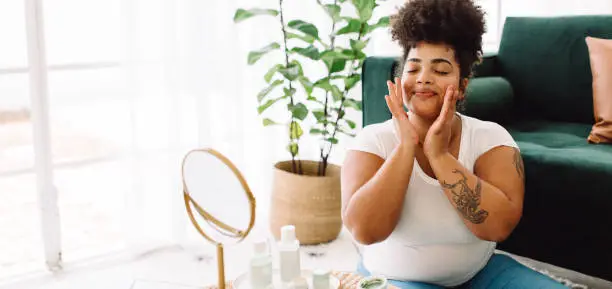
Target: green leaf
pixel 319 115
pixel 348 53
pixel 267 90
pixel 336 93
pixel 267 122
pixel 293 149
pixel 341 113
pixel 298 65
pixel 242 14
pixel 350 81
pixel 334 60
pixel 353 54
pixel 323 83
pixel 383 22
pixel 310 52
pixel 335 65
pixel 359 55
pixel 334 54
pixel 256 55
pixel 289 92
pixel 295 130
pixel 353 103
pixel 305 27
pixel 333 11
pixel 332 140
pixel 351 123
pixel 316 131
pixel 364 8
pixel 353 26
pixel 308 86
pixel 271 72
pixel 291 73
pixel 358 44
pixel 347 133
pixel 299 111
pixel 266 105
pixel 306 38
pixel 312 98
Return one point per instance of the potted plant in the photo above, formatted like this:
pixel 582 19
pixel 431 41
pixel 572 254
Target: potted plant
pixel 307 193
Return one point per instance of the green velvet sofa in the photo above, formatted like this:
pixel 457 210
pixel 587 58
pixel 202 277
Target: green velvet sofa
pixel 539 87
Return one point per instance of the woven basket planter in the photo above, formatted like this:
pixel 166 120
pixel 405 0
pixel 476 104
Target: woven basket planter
pixel 309 202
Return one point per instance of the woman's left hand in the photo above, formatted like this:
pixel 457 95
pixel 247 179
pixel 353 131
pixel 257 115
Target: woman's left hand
pixel 437 140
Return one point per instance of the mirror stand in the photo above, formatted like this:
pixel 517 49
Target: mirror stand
pixel 221 229
pixel 220 266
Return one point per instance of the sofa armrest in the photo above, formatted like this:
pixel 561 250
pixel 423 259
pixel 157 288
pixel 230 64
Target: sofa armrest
pixel 488 66
pixel 489 98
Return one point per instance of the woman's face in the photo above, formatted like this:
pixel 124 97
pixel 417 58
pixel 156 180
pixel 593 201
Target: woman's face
pixel 428 71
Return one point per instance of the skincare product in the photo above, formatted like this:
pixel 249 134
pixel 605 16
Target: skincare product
pixel 261 266
pixel 320 279
pixel 289 253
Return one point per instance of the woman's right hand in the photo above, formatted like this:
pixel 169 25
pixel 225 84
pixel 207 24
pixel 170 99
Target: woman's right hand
pixel 403 126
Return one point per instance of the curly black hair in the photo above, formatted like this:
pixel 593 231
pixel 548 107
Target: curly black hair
pixel 457 23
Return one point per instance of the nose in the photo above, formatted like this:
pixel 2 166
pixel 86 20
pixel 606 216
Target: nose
pixel 424 77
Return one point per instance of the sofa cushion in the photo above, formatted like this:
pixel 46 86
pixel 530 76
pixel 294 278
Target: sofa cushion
pixel 547 62
pixel 375 73
pixel 566 214
pixel 562 142
pixel 600 53
pixel 489 98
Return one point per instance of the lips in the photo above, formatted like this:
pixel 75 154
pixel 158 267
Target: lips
pixel 425 93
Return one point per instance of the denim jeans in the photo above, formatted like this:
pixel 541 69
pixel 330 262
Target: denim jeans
pixel 500 272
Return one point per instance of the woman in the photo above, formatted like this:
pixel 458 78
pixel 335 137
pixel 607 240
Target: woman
pixel 430 192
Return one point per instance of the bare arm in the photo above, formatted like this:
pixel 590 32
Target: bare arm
pixel 373 189
pixel 490 200
pixel 373 192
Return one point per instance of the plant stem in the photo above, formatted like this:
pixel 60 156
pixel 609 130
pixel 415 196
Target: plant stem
pixel 282 22
pixel 332 38
pixel 345 92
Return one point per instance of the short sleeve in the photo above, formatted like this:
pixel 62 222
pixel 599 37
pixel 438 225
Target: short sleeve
pixel 369 140
pixel 492 135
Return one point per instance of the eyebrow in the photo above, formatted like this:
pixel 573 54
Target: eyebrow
pixel 433 61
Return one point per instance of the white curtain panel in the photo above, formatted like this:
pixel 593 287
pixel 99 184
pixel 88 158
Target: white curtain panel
pixel 133 85
pixel 203 94
pixel 188 75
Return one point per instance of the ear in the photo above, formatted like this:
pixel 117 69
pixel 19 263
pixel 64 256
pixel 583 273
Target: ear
pixel 464 84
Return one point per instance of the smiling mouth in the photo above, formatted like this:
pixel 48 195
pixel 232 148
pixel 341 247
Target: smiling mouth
pixel 425 94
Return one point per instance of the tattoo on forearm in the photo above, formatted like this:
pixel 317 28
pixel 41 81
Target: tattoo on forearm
pixel 467 199
pixel 518 163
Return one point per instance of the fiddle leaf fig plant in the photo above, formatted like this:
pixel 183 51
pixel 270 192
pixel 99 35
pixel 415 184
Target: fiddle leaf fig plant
pixel 325 99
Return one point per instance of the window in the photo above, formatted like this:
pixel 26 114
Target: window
pixel 21 247
pixel 492 37
pixel 90 133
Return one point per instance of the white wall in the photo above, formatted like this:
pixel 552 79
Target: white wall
pixel 554 8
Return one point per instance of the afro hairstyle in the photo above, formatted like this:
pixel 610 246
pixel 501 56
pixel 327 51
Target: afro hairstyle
pixel 457 23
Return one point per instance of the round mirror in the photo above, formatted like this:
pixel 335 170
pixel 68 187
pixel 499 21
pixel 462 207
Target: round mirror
pixel 218 200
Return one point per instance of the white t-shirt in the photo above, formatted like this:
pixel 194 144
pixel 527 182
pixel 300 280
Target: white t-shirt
pixel 430 242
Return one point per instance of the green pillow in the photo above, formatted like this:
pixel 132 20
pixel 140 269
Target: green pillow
pixel 489 98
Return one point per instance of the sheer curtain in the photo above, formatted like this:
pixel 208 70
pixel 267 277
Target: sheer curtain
pixel 211 91
pixel 132 86
pixel 202 93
